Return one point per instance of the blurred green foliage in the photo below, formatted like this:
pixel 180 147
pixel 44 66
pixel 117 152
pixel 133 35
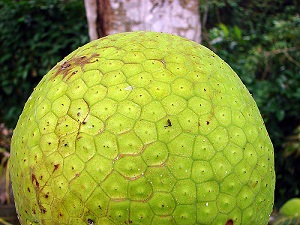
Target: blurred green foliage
pixel 34 36
pixel 261 42
pixel 260 39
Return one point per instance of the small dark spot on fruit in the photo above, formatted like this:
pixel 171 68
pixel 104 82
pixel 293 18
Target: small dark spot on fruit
pixel 66 145
pixel 207 122
pixel 169 123
pixel 204 89
pixel 28 190
pixel 90 221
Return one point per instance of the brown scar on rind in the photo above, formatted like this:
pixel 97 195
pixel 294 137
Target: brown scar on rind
pixel 65 68
pixel 229 222
pixel 35 181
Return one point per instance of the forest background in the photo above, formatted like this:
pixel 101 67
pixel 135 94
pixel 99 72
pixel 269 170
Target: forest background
pixel 259 39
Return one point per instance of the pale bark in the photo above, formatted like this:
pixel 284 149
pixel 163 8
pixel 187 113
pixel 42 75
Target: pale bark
pixel 179 17
pixel 91 14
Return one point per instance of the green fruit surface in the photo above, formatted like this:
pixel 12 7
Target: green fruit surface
pixel 291 208
pixel 142 128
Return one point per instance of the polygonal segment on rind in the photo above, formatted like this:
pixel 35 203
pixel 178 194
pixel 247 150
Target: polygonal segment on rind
pixel 140 213
pixel 185 192
pixel 76 89
pixel 106 145
pixel 104 109
pixel 73 166
pixel 129 109
pixel 139 189
pixel 160 178
pixel 182 146
pixel 155 154
pixel 162 203
pixel 185 214
pixel 82 186
pixel 118 211
pixel 146 131
pixel 73 205
pixel 188 120
pixel 115 186
pixel 206 212
pixel 99 168
pixel 61 105
pixel 66 125
pixel 97 202
pixel 207 191
pixel 179 166
pixel 92 126
pixel 130 166
pixel 48 123
pixel 153 111
pixel 129 143
pixel 94 94
pixel 158 90
pixel 118 124
pixel 201 171
pixel 85 147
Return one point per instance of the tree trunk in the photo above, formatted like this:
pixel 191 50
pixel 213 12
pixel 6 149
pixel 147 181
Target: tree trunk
pixel 180 17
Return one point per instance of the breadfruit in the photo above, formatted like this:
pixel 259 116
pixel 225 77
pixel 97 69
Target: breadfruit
pixel 142 128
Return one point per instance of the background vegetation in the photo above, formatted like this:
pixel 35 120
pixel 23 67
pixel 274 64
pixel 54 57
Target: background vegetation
pixel 260 39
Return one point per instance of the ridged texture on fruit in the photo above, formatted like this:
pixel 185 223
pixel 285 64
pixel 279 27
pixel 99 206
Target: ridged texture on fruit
pixel 142 128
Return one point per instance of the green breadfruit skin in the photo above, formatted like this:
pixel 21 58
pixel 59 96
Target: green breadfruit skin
pixel 142 128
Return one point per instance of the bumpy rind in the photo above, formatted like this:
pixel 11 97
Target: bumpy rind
pixel 142 128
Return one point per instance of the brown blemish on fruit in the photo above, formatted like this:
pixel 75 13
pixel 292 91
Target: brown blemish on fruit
pixel 35 181
pixel 66 67
pixel 55 167
pixel 37 190
pixel 229 222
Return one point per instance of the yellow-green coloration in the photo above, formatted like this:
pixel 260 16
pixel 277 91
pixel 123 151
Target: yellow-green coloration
pixel 291 208
pixel 142 128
